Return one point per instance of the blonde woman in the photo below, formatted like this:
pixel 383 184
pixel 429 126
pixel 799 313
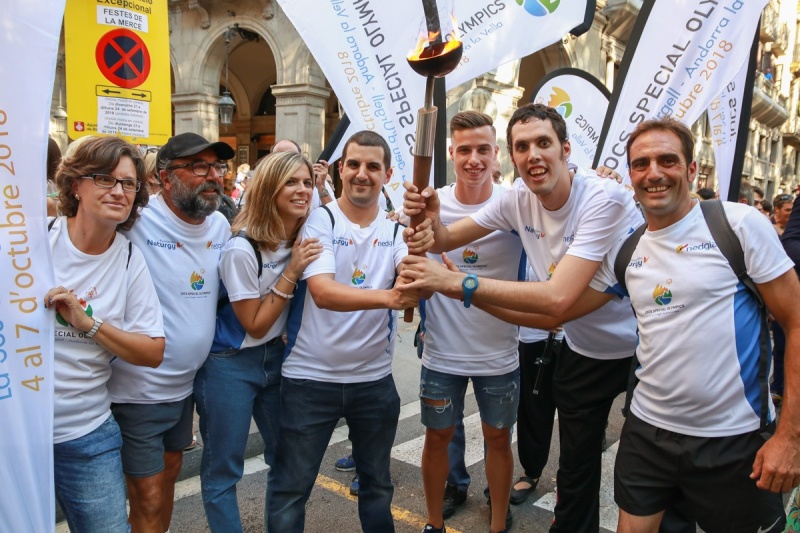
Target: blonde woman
pixel 241 378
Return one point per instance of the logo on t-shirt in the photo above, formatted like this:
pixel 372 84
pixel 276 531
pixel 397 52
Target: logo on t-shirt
pixel 569 238
pixel 662 295
pixel 551 270
pixel 470 256
pixel 341 241
pixel 536 233
pixel 211 245
pixel 161 243
pixel 702 247
pixel 86 309
pixel 376 242
pixel 196 281
pixel 359 276
pixel 638 262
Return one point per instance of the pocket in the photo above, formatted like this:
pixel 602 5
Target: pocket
pixel 225 354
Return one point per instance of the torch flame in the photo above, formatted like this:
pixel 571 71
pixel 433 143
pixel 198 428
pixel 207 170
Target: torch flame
pixel 424 50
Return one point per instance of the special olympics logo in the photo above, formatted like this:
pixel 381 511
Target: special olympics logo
pixel 358 277
pixel 539 8
pixel 662 295
pixel 196 281
pixel 470 256
pixel 560 100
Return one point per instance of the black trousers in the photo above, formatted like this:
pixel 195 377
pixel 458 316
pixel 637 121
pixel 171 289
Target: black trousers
pixel 536 411
pixel 584 389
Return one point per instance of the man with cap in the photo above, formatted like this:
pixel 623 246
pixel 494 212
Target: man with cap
pixel 181 235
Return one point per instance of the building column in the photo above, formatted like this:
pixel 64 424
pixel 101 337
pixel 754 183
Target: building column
pixel 197 113
pixel 300 115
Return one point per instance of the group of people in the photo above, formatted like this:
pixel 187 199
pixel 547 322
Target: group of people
pixel 287 315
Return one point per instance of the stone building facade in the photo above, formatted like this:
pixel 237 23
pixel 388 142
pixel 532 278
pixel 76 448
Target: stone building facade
pixel 280 91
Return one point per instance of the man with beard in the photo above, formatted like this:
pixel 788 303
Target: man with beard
pixel 181 235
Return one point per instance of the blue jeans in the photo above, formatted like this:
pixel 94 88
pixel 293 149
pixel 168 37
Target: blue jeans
pixel 309 413
pixel 229 388
pixel 90 485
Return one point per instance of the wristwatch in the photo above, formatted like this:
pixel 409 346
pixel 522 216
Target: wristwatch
pixel 95 327
pixel 469 285
pixel 324 193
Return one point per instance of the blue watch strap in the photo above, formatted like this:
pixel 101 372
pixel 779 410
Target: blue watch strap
pixel 469 285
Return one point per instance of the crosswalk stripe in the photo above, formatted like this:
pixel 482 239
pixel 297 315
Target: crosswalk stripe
pixel 410 452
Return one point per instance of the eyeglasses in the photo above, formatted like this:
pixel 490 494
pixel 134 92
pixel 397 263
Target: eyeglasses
pixel 664 161
pixel 104 181
pixel 202 168
pixel 783 197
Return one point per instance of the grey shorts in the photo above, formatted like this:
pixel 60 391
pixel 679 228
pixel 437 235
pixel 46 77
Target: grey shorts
pixel 149 430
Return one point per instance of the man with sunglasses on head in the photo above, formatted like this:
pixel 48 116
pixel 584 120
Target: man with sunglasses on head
pixel 181 235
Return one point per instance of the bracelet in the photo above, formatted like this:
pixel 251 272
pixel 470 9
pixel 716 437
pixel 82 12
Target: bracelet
pixel 281 294
pixel 287 279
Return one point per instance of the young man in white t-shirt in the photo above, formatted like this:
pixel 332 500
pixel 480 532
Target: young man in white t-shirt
pixel 567 224
pixel 341 335
pixel 180 234
pixel 485 349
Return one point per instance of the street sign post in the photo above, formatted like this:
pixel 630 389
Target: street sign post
pixel 117 64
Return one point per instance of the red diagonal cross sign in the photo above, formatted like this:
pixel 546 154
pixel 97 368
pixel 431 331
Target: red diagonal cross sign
pixel 125 71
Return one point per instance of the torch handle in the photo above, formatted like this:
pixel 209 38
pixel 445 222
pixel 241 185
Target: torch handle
pixel 422 174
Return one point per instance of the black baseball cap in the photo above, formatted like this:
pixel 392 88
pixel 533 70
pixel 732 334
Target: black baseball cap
pixel 186 144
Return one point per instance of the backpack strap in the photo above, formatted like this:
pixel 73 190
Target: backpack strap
pixel 621 263
pixel 625 254
pixel 225 300
pixel 731 248
pixel 330 214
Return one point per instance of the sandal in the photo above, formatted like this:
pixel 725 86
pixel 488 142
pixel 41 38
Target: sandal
pixel 519 496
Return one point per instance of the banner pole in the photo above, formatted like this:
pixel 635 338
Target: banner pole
pixel 744 122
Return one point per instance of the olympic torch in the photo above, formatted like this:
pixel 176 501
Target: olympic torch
pixel 437 53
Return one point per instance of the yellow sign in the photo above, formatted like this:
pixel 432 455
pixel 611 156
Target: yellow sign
pixel 117 60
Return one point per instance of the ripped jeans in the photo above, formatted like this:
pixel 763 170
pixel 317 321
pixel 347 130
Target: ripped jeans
pixel 497 396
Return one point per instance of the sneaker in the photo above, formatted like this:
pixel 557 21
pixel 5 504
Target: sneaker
pixel 354 486
pixel 430 529
pixel 453 498
pixel 345 464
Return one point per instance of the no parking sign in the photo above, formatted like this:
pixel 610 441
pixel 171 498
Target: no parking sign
pixel 117 58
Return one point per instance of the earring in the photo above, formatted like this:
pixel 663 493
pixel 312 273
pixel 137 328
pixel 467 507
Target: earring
pixel 77 197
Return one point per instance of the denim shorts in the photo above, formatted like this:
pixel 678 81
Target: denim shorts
pixel 497 396
pixel 89 484
pixel 149 430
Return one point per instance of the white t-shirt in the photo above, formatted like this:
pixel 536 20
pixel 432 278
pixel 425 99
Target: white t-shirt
pixel 122 296
pixel 183 260
pixel 468 341
pixel 597 214
pixel 239 276
pixel 354 346
pixel 531 335
pixel 698 327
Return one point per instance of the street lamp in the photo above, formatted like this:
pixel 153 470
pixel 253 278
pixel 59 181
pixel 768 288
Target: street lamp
pixel 226 104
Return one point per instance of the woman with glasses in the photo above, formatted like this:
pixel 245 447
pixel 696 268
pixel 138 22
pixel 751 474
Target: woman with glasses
pixel 105 307
pixel 259 270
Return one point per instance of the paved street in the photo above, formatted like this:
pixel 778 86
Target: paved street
pixel 332 510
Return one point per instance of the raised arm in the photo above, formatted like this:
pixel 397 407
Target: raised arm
pixel 334 296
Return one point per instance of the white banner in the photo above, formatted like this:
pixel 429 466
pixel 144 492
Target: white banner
pixel 28 48
pixel 724 118
pixel 679 57
pixel 361 46
pixel 582 100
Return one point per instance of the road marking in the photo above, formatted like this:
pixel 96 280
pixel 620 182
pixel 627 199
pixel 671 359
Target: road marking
pixel 609 512
pixel 399 514
pixel 410 452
